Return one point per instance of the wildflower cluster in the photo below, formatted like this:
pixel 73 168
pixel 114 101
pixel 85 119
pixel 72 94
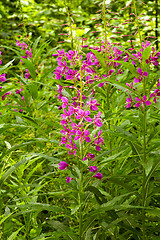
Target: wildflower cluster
pixel 77 124
pixel 142 63
pixel 68 62
pixel 2 80
pixel 26 53
pixel 77 118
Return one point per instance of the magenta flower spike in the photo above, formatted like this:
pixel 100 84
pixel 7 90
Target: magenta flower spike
pixel 98 175
pixel 63 165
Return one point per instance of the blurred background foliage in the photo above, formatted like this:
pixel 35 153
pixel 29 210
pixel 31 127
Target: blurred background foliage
pixel 50 19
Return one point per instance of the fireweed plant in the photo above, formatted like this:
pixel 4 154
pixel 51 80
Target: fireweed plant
pixel 79 120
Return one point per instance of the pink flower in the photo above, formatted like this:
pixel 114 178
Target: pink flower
pixel 137 56
pixel 142 101
pixel 19 91
pixel 65 102
pixel 90 156
pixel 81 114
pixel 72 147
pixel 28 53
pixel 3 77
pixel 68 179
pixel 92 103
pixel 64 140
pixel 97 120
pixel 71 74
pixel 82 135
pixel 63 165
pixel 93 169
pixel 140 78
pixel 66 114
pixel 98 141
pixel 67 132
pixel 27 74
pixel 4 96
pixel 156 94
pixel 22 45
pixel 130 85
pixel 70 55
pixel 128 101
pixel 98 175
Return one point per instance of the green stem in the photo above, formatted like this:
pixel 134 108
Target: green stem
pixel 144 113
pixel 105 28
pixel 144 162
pixel 144 177
pixel 70 24
pixel 139 33
pixel 81 195
pixel 109 124
pixel 22 15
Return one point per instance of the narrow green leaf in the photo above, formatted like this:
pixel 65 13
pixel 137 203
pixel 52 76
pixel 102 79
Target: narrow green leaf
pixel 100 59
pixel 154 212
pixel 5 217
pixel 33 90
pixel 35 44
pixel 99 196
pixel 146 54
pixel 126 135
pixel 148 166
pixel 64 230
pixel 74 208
pixel 38 51
pixel 14 234
pixel 152 169
pixel 88 234
pixel 29 65
pixel 38 207
pixel 111 158
pixel 2 69
pixel 11 170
